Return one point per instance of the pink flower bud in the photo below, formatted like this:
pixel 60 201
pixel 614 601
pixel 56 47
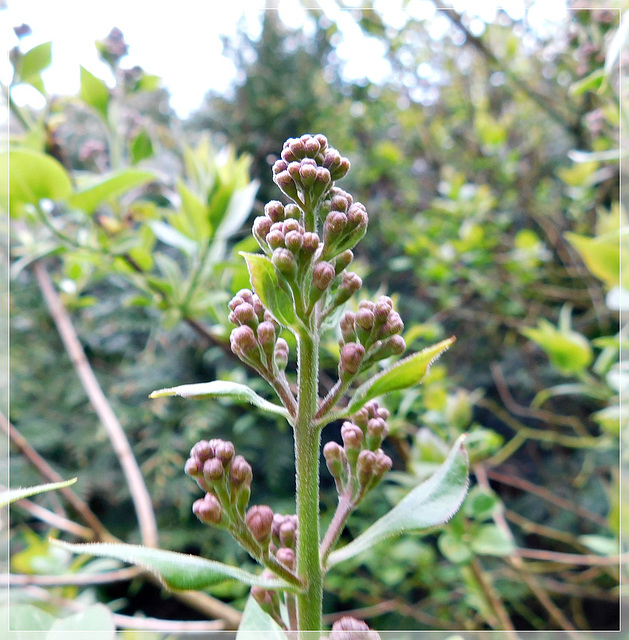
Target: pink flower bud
pixel 243 341
pixel 286 556
pixel 284 262
pixel 260 520
pixel 342 261
pixel 352 355
pixel 307 175
pixel 365 319
pixel 266 336
pixel 293 241
pixel 310 243
pixel 311 147
pixel 293 168
pixel 365 466
pixel 240 473
pixel 292 211
pixel 208 509
pixel 212 470
pixel 279 166
pixel 323 275
pixel 274 210
pixel 348 628
pixel 261 226
pixel 224 451
pixel 281 354
pixel 352 436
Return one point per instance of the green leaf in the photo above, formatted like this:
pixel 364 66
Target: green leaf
pixel 602 255
pixel 454 548
pixel 192 219
pixel 254 621
pixel 402 375
pixel 33 63
pixel 265 283
pixel 11 495
pixel 25 617
pixel 30 176
pixel 429 504
pixel 96 618
pixel 222 389
pixel 177 570
pixel 94 92
pixel 141 147
pixel 490 540
pixel 111 186
pixel 172 237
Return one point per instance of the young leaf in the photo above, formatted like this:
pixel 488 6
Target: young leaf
pixel 113 185
pixel 265 284
pixel 402 375
pixel 11 495
pixel 222 389
pixel 33 177
pixel 33 63
pixel 176 570
pixel 254 621
pixel 94 92
pixel 427 505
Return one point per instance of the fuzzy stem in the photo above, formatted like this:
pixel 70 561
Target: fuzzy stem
pixel 343 511
pixel 307 439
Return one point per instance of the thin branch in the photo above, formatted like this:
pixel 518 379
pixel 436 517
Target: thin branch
pixel 545 494
pixel 573 558
pixel 50 475
pixel 75 579
pixel 55 520
pixel 137 487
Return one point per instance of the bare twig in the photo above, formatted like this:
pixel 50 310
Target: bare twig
pixel 573 558
pixel 50 475
pixel 75 579
pixel 55 520
pixel 137 487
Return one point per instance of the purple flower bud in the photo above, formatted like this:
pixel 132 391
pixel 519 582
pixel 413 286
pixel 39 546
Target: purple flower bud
pixel 339 203
pixel 392 326
pixel 208 509
pixel 310 243
pixel 322 140
pixel 334 225
pixel 235 301
pixel 284 181
pixel 357 217
pixel 291 224
pixel 287 532
pixel 274 210
pixel 292 212
pixel 192 468
pixel 275 239
pixel 240 473
pixel 261 226
pixel 342 261
pixel 279 166
pixel 383 464
pixel 348 628
pixel 352 436
pixel 266 337
pixel 341 170
pixel 361 418
pixel 311 147
pixel 347 326
pixel 281 354
pixel 322 182
pixel 201 451
pixel 224 451
pixel 212 470
pixel 307 174
pixel 323 275
pixel 297 147
pixel 243 341
pixel 352 355
pixel 245 315
pixel 293 168
pixel 260 520
pixel 350 284
pixel 365 319
pixel 286 556
pixel 293 241
pixel 268 600
pixel 377 430
pixel 332 159
pixel 287 155
pixel 336 461
pixel 365 466
pixel 284 262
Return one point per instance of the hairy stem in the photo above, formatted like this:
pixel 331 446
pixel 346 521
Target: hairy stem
pixel 343 511
pixel 307 438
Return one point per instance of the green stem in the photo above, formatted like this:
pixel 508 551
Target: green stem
pixel 307 439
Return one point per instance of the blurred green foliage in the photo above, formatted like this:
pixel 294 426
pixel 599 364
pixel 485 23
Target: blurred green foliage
pixel 488 162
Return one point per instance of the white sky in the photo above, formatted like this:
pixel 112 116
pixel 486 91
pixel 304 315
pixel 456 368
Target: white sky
pixel 180 41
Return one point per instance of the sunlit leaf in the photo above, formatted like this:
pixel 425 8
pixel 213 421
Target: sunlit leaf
pixel 265 283
pixel 29 177
pixel 95 618
pixel 403 374
pixel 12 495
pixel 602 255
pixel 110 186
pixel 221 389
pixel 255 622
pixel 141 147
pixel 429 504
pixel 177 570
pixel 94 92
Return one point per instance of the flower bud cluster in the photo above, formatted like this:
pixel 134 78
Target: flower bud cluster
pixel 370 334
pixel 360 463
pixel 255 340
pixel 348 628
pixel 345 223
pixel 307 168
pixel 224 476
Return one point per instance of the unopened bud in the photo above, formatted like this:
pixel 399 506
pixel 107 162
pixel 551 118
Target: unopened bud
pixel 274 210
pixel 310 243
pixel 268 600
pixel 365 319
pixel 311 147
pixel 261 227
pixel 352 355
pixel 266 337
pixel 383 464
pixel 240 473
pixel 260 520
pixel 292 211
pixel 350 284
pixel 339 172
pixel 281 354
pixel 297 148
pixel 348 327
pixel 284 262
pixel 243 342
pixel 323 275
pixel 284 181
pixel 348 628
pixel 224 451
pixel 392 326
pixel 365 466
pixel 279 166
pixel 208 509
pixel 288 532
pixel 286 556
pixel 352 436
pixel 377 430
pixel 212 470
pixel 336 461
pixel 293 241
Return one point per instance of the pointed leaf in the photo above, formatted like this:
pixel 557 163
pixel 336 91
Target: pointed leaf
pixel 255 621
pixel 428 505
pixel 172 237
pixel 402 375
pixel 12 495
pixel 177 570
pixel 113 185
pixel 222 389
pixel 265 283
pixel 94 92
pixel 30 176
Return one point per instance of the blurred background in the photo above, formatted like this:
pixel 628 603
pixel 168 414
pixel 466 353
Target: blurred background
pixel 485 145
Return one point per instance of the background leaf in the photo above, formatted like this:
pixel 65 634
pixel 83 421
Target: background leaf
pixel 254 622
pixel 12 495
pixel 94 92
pixel 428 505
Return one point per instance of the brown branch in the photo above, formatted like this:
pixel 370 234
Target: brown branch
pixel 135 481
pixel 75 579
pixel 55 520
pixel 545 494
pixel 573 558
pixel 50 475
